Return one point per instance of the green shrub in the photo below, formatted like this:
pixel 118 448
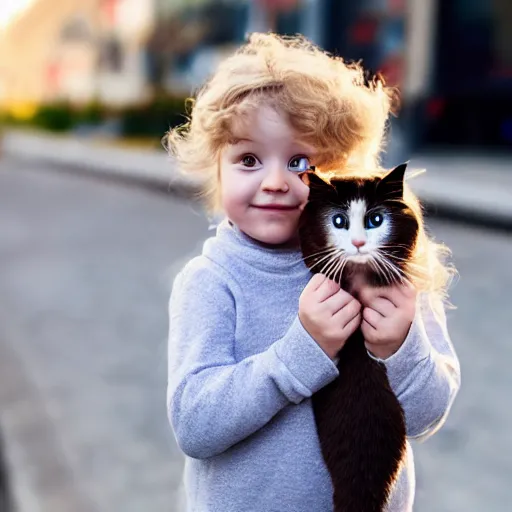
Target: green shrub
pixel 92 113
pixel 56 117
pixel 153 118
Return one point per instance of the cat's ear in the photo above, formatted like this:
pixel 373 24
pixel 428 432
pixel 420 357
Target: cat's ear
pixel 392 185
pixel 314 182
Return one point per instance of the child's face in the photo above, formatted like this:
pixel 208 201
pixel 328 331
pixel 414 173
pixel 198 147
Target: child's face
pixel 261 190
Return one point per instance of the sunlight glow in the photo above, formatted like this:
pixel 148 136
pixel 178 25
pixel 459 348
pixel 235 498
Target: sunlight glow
pixel 10 8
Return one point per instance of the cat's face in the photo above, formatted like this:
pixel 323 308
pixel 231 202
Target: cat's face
pixel 358 225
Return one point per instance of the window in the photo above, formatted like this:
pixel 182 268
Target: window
pixel 76 29
pixel 112 55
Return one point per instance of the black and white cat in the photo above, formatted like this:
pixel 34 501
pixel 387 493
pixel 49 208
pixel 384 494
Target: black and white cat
pixel 356 228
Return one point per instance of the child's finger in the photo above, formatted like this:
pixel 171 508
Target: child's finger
pixel 396 294
pixel 399 294
pixel 353 324
pixel 383 306
pixel 326 289
pixel 338 301
pixel 408 290
pixel 369 333
pixel 390 293
pixel 316 281
pixel 366 295
pixel 372 317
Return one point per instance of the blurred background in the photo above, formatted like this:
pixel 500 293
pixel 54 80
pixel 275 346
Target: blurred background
pixel 94 224
pixel 128 64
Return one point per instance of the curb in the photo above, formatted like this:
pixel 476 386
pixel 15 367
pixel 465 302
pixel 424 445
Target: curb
pixel 468 217
pixel 95 158
pixel 477 191
pixel 113 174
pixel 458 188
pixel 5 482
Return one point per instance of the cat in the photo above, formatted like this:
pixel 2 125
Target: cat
pixel 359 228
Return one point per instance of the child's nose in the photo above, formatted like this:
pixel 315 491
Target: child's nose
pixel 276 180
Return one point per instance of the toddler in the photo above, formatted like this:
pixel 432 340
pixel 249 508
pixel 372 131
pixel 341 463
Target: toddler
pixel 253 335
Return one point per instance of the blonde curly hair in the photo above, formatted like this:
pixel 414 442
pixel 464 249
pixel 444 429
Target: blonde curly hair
pixel 332 105
pixel 328 102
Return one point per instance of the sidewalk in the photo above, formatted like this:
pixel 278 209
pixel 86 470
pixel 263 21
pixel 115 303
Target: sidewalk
pixel 475 189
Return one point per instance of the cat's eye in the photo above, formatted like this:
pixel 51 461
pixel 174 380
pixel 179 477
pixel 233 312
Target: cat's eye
pixel 299 164
pixel 249 161
pixel 374 220
pixel 340 221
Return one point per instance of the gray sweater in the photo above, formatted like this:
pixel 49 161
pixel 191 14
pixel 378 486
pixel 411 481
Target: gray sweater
pixel 242 370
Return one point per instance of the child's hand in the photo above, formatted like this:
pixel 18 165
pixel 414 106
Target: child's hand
pixel 387 317
pixel 328 313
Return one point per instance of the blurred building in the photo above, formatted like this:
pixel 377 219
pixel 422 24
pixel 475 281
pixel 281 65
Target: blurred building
pixel 470 99
pixel 452 59
pixel 77 50
pixel 195 35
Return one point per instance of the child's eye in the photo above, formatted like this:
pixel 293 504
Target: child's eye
pixel 299 164
pixel 249 161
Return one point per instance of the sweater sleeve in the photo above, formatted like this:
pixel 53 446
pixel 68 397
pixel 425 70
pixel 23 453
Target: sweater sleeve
pixel 425 373
pixel 214 401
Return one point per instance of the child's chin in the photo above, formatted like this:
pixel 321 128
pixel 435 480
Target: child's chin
pixel 276 236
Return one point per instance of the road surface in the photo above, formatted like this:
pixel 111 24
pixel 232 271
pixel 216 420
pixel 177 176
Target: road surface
pixel 85 273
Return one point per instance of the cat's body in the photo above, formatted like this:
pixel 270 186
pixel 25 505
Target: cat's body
pixel 359 230
pixel 361 429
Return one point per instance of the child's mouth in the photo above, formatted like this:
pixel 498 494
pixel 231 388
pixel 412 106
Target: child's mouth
pixel 281 207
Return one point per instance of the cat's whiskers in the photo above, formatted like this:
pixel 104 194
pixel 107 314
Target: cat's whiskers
pixel 389 258
pixel 410 263
pixel 396 257
pixel 331 272
pixel 333 252
pixel 393 268
pixel 387 265
pixel 394 246
pixel 330 264
pixel 399 259
pixel 384 270
pixel 329 249
pixel 337 268
pixel 375 266
pixel 387 272
pixel 343 265
pixel 327 266
pixel 414 270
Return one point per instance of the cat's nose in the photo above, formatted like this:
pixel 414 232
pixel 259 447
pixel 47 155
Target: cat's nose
pixel 358 242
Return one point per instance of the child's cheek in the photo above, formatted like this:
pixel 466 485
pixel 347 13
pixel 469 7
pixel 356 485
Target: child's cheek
pixel 302 190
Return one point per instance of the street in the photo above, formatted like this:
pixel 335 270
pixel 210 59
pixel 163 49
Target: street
pixel 85 273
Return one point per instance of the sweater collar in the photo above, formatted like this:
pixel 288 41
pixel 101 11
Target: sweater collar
pixel 268 258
